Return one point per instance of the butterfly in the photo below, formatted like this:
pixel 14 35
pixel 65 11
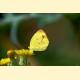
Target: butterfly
pixel 39 41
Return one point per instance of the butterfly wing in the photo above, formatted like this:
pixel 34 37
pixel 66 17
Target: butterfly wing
pixel 39 41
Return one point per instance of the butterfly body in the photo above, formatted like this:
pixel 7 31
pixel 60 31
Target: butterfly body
pixel 39 41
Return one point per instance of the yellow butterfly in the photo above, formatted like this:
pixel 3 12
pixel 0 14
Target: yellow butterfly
pixel 39 41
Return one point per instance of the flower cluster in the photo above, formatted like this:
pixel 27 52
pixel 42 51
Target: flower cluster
pixel 15 54
pixel 5 61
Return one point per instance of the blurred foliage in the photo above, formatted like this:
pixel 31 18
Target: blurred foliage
pixel 75 20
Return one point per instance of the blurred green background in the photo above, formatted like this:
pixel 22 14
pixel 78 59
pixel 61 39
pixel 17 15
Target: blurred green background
pixel 63 31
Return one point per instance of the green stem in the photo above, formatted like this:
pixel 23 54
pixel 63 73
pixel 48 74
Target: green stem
pixel 21 60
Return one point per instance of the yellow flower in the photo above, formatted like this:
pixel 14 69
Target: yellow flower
pixel 5 61
pixel 30 52
pixel 10 53
pixel 23 52
pixel 19 52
